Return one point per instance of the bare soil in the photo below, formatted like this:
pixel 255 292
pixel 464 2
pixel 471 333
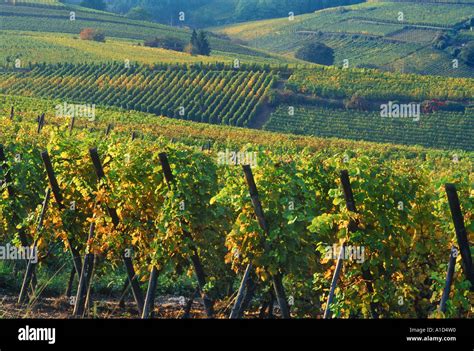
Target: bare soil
pixel 102 308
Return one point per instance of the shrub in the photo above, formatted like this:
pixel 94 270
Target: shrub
pixel 356 102
pixel 316 53
pixel 167 43
pixel 467 54
pixel 92 34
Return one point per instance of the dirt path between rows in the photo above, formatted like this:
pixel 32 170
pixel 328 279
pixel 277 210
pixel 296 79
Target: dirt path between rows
pixel 166 307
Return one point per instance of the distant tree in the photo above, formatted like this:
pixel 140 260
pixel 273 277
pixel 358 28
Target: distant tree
pixel 356 102
pixel 199 44
pixel 246 10
pixel 316 53
pixel 92 34
pixel 167 43
pixel 206 13
pixel 193 47
pixel 467 54
pixel 441 41
pixel 139 13
pixel 94 4
pixel 195 40
pixel 203 43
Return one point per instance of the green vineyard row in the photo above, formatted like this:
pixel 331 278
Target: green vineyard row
pixel 343 83
pixel 403 216
pixel 214 94
pixel 441 129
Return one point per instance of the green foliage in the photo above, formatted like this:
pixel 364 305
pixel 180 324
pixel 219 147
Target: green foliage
pixel 203 44
pixel 199 44
pixel 333 82
pixel 222 11
pixel 368 34
pixel 56 20
pixel 440 129
pixel 316 53
pixel 399 229
pixel 467 54
pixel 94 4
pixel 213 93
pixel 404 221
pixel 139 13
pixel 167 43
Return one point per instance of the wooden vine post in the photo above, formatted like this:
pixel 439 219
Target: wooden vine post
pixel 149 304
pixel 71 125
pixel 276 278
pixel 76 257
pixel 40 123
pixel 127 260
pixel 449 279
pixel 85 278
pixel 195 260
pixel 12 113
pixel 236 311
pixel 335 278
pixel 461 233
pixel 32 262
pixel 108 130
pixel 7 178
pixel 353 226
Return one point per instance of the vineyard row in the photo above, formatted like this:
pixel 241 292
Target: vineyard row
pixel 197 208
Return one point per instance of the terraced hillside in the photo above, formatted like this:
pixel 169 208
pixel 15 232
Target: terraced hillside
pixel 204 90
pixel 375 34
pixel 219 94
pixel 47 47
pixel 35 3
pixel 70 19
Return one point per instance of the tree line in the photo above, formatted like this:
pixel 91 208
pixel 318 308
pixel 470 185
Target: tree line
pixel 204 13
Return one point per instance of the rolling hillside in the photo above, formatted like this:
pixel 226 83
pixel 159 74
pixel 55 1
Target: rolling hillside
pixel 377 34
pixel 55 47
pixel 233 170
pixel 55 63
pixel 15 20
